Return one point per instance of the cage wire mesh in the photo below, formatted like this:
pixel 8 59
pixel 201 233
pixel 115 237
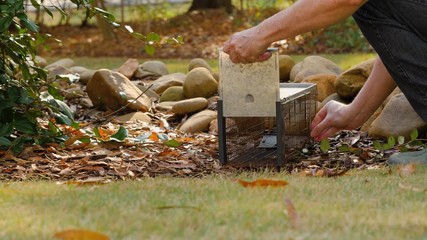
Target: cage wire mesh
pixel 266 141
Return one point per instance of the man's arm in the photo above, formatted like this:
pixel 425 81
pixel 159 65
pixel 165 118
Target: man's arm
pixel 303 16
pixel 336 116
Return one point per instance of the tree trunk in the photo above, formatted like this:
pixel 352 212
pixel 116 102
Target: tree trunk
pixel 105 28
pixel 211 4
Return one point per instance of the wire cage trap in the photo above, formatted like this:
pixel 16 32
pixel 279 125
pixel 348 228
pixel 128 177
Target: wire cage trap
pixel 259 119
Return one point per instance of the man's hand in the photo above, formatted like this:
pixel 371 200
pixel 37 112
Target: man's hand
pixel 246 47
pixel 334 116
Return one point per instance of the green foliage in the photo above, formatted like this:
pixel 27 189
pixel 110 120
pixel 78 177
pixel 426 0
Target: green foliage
pixel 325 145
pixel 27 97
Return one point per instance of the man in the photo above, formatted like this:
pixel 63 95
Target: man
pixel 395 29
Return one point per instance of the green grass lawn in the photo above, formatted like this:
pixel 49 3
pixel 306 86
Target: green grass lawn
pixel 368 204
pixel 360 205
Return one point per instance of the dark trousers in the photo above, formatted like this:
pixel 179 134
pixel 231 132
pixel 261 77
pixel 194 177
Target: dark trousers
pixel 397 30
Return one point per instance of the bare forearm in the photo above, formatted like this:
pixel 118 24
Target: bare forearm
pixel 304 16
pixel 377 88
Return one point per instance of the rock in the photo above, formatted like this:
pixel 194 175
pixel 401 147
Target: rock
pixel 78 69
pixel 151 70
pixel 213 102
pixel 134 117
pixel 65 62
pixel 111 90
pixel 213 127
pixel 86 102
pixel 398 118
pixel 198 122
pixel 167 81
pixel 200 83
pixel 367 125
pixel 313 65
pixel 349 83
pixel 129 67
pixel 324 84
pixel 175 93
pixel 86 76
pixel 198 62
pixel 334 97
pixel 56 70
pixel 39 61
pixel 190 105
pixel 216 76
pixel 73 93
pixel 149 92
pixel 84 73
pixel 165 106
pixel 286 63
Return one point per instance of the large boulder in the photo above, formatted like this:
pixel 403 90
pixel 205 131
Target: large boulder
pixel 174 79
pixel 398 118
pixel 313 65
pixel 198 122
pixel 111 90
pixel 367 125
pixel 190 105
pixel 129 67
pixel 349 83
pixel 200 83
pixel 286 63
pixel 151 70
pixel 175 93
pixel 324 84
pixel 198 62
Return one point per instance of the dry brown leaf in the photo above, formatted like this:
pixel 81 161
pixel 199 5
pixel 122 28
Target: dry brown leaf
pixel 292 214
pixel 406 169
pixel 170 153
pixel 80 234
pixel 263 183
pixel 154 137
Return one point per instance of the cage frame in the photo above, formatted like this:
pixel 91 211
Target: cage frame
pixel 308 89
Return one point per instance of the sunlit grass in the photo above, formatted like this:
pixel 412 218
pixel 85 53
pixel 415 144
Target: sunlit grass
pixel 361 205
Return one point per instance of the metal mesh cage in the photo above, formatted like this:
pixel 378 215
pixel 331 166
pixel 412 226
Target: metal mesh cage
pixel 265 141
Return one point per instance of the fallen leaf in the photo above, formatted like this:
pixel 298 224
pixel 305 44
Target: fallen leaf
pixel 154 137
pixel 292 214
pixel 406 170
pixel 263 183
pixel 80 234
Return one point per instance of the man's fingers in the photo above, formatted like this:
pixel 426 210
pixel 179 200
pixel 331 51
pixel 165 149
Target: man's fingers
pixel 264 56
pixel 319 117
pixel 327 133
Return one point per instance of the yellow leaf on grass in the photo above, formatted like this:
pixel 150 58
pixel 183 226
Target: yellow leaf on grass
pixel 263 183
pixel 80 234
